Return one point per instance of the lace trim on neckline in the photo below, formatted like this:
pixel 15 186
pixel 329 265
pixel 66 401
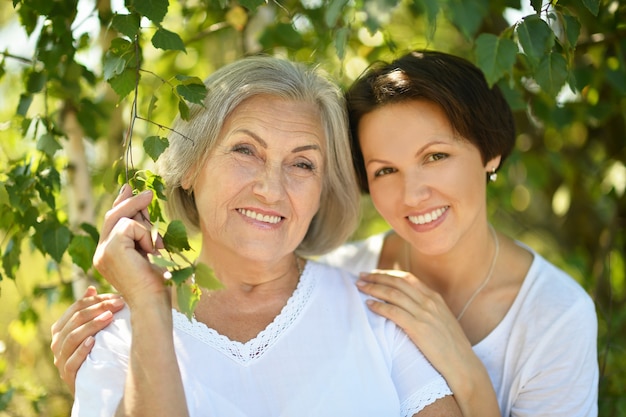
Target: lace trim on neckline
pixel 244 353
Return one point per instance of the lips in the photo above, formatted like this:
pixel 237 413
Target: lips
pixel 265 218
pixel 428 217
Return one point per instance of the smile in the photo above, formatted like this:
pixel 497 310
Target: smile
pixel 428 217
pixel 260 217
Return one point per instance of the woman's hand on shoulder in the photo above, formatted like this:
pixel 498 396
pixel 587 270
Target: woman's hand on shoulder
pixel 73 333
pixel 419 311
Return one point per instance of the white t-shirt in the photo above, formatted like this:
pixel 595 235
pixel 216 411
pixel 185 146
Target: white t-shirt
pixel 542 357
pixel 325 354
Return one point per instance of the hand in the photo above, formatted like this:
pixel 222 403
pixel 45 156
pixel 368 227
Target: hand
pixel 421 312
pixel 425 317
pixel 73 334
pixel 121 255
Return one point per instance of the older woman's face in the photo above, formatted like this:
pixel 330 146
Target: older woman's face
pixel 260 187
pixel 428 183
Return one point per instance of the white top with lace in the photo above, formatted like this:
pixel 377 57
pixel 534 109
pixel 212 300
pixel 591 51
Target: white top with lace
pixel 325 354
pixel 542 357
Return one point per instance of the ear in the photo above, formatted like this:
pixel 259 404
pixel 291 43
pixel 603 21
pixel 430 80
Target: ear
pixel 186 182
pixel 493 164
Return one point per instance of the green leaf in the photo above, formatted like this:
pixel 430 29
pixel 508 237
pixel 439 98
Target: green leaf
pixel 495 56
pixel 593 6
pixel 536 38
pixel 82 249
pixel 552 73
pixel 468 15
pixel 36 82
pixel 191 89
pixel 124 83
pixel 205 277
pixel 126 24
pixel 56 240
pixel 11 257
pixel 180 275
pixel 48 144
pixel 183 109
pixel 113 65
pixel 341 40
pixel 572 29
pixel 175 238
pixel 162 262
pixel 536 4
pixel 155 10
pixel 333 11
pixel 24 104
pixel 91 231
pixel 164 39
pixel 154 146
pixel 188 296
pixel 513 97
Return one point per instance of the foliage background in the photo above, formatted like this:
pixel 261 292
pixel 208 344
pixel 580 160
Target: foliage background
pixel 64 135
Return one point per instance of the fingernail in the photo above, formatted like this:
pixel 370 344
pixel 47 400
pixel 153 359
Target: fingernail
pixel 123 188
pixel 89 341
pixel 104 316
pixel 360 283
pixel 118 302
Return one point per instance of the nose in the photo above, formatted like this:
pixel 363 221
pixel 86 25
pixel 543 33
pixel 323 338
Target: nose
pixel 269 185
pixel 416 189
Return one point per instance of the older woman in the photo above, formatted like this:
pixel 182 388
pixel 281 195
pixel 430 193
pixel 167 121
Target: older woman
pixel 262 172
pixel 512 334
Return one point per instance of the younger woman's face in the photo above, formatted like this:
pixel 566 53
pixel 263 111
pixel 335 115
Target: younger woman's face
pixel 428 183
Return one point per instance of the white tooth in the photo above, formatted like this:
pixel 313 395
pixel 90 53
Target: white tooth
pixel 428 218
pixel 258 216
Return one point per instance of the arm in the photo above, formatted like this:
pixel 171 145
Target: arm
pixel 153 382
pixel 420 311
pixel 73 334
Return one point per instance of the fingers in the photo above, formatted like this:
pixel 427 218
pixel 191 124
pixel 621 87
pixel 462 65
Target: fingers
pixel 69 370
pixel 72 334
pixel 127 205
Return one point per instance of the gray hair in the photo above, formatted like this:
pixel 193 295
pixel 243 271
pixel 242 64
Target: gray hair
pixel 193 140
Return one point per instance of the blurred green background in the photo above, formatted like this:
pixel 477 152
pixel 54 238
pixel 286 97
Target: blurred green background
pixel 63 131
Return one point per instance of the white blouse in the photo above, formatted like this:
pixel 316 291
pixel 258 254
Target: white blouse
pixel 325 354
pixel 542 357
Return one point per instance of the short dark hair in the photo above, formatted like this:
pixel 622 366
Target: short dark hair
pixel 478 113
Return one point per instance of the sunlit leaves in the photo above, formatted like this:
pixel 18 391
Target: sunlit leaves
pixel 191 89
pixel 165 39
pixel 126 24
pixel 154 146
pixel 175 238
pixel 205 277
pixel 536 38
pixel 593 6
pixel 333 11
pixel 48 144
pixel 155 10
pixel 125 82
pixel 81 250
pixel 495 56
pixel 56 239
pixel 187 297
pixel 552 73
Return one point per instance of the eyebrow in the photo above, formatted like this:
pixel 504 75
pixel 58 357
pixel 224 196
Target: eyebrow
pixel 419 151
pixel 257 138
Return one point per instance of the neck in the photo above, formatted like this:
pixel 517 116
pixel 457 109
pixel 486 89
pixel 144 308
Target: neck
pixel 458 271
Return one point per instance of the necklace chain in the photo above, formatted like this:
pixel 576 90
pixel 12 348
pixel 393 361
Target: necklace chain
pixel 485 281
pixel 487 278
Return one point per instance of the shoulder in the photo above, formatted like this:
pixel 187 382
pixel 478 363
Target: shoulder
pixel 356 256
pixel 553 289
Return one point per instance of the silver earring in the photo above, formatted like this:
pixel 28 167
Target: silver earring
pixel 493 176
